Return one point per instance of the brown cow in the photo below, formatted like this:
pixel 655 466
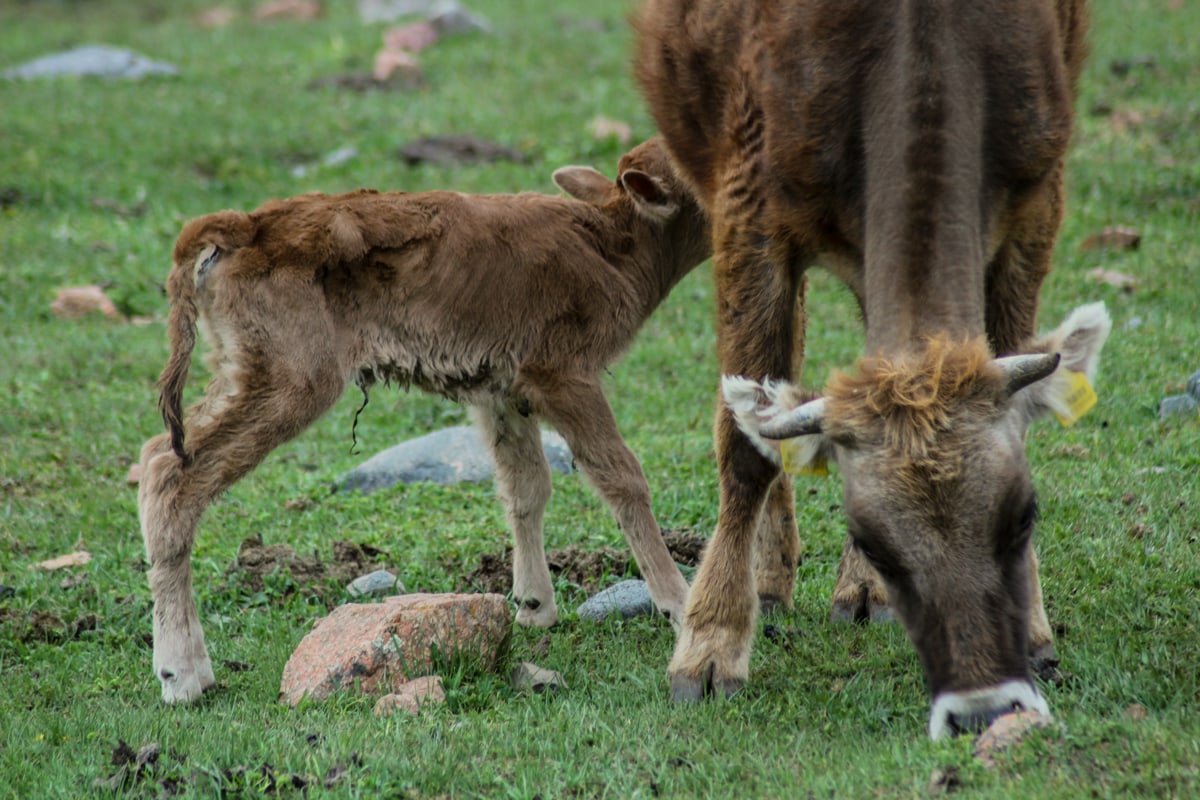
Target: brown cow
pixel 917 149
pixel 512 304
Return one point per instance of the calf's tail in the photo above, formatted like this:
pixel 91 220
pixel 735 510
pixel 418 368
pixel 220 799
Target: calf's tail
pixel 181 328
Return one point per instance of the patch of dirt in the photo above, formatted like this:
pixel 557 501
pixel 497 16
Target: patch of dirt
pixel 399 81
pixel 150 768
pixel 42 626
pixel 585 568
pixel 255 561
pixel 457 150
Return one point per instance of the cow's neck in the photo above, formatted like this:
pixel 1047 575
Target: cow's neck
pixel 925 231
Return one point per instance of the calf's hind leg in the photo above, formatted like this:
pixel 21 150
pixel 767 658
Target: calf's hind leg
pixel 226 435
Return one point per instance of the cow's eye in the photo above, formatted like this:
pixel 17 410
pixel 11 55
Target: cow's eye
pixel 1029 517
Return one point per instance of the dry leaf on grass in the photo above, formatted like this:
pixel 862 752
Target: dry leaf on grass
pixel 411 38
pixel 215 17
pixel 389 63
pixel 76 559
pixel 1118 280
pixel 78 301
pixel 301 10
pixel 604 128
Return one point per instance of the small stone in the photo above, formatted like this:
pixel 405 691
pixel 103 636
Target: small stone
pixel 450 18
pixel 530 677
pixel 412 696
pixel 379 583
pixel 1178 405
pixel 1006 731
pixel 944 781
pixel 392 63
pixel 1193 385
pixel 629 598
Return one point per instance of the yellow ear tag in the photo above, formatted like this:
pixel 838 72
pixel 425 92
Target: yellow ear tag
pixel 795 462
pixel 1079 400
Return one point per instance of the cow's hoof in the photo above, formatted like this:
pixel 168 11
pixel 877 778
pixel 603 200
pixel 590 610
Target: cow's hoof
pixel 861 610
pixel 686 689
pixel 882 613
pixel 769 603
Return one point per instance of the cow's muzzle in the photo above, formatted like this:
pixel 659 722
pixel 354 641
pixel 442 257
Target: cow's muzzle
pixel 972 711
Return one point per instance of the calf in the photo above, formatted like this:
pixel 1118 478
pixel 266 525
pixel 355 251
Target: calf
pixel 512 304
pixel 917 147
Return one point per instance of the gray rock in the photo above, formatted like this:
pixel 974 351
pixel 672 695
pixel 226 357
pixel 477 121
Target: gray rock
pixel 529 677
pixel 450 18
pixel 449 456
pixel 1178 405
pixel 1193 385
pixel 391 10
pixel 379 583
pixel 629 598
pixel 97 60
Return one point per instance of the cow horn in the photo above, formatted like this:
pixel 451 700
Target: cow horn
pixel 802 420
pixel 1026 369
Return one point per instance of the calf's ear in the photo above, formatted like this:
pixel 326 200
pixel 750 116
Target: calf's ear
pixel 584 183
pixel 649 194
pixel 768 412
pixel 1067 391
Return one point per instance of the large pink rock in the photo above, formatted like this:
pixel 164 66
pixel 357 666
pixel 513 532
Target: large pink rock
pixel 379 646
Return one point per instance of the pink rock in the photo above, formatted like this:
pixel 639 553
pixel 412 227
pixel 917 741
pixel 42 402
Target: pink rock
pixel 374 646
pixel 389 63
pixel 412 696
pixel 1006 731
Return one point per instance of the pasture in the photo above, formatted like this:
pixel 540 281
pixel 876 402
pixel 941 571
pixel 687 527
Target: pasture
pixel 96 178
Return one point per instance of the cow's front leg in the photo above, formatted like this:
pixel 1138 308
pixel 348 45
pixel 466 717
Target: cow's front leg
pixel 859 594
pixel 755 305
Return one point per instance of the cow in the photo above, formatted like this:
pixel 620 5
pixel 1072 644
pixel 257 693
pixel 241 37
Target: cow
pixel 511 304
pixel 916 149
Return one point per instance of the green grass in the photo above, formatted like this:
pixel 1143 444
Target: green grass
pixel 834 711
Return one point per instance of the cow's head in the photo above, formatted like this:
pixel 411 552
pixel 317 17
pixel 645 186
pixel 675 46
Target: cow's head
pixel 931 447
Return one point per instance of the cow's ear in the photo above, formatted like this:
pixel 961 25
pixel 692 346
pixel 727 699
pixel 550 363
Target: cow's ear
pixel 584 183
pixel 1068 390
pixel 649 194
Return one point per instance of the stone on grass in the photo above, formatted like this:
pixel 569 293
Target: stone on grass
pixel 528 677
pixel 412 696
pixel 379 583
pixel 1006 731
pixel 629 598
pixel 453 455
pixel 379 646
pixel 98 60
pixel 450 18
pixel 1178 405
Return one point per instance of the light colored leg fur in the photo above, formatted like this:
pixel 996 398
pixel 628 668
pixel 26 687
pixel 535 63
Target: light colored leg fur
pixel 523 483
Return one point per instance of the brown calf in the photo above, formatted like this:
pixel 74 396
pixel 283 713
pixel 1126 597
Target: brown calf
pixel 917 149
pixel 512 304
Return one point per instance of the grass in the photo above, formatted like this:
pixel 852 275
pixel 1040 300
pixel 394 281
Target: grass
pixel 96 178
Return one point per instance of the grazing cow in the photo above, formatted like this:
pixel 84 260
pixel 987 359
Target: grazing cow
pixel 917 149
pixel 512 304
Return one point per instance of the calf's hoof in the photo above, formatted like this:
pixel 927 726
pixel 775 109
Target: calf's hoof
pixel 688 689
pixel 182 686
pixel 533 613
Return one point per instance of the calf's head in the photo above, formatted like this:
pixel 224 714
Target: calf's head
pixel 937 491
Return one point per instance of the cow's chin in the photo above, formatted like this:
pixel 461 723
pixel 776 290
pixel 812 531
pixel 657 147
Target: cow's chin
pixel 972 711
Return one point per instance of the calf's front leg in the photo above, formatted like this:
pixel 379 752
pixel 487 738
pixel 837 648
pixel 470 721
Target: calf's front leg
pixel 524 485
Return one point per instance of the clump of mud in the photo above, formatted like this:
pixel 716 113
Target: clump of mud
pixel 42 626
pixel 587 569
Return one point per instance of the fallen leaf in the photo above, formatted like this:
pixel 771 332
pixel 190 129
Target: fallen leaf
pixel 1114 237
pixel 412 38
pixel 604 128
pixel 301 10
pixel 215 17
pixel 79 301
pixel 76 559
pixel 1126 119
pixel 1118 280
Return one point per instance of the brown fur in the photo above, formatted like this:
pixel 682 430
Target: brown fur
pixel 916 149
pixel 510 303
